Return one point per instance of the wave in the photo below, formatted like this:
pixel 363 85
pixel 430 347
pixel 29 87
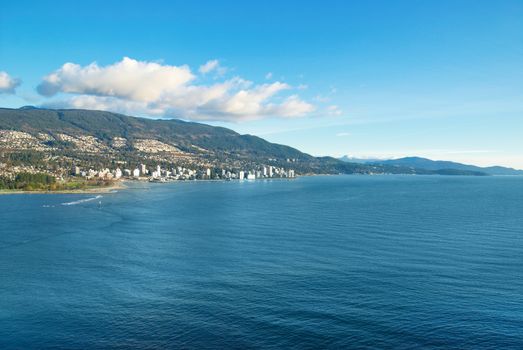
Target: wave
pixel 83 200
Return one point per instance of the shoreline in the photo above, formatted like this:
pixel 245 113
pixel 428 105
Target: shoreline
pixel 118 185
pixel 121 185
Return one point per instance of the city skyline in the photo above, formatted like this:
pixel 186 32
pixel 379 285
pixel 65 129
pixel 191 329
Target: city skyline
pixel 441 80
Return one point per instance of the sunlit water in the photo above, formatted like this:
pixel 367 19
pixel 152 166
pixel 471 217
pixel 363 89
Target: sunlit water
pixel 318 262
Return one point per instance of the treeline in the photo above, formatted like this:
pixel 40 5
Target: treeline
pixel 45 182
pixel 29 182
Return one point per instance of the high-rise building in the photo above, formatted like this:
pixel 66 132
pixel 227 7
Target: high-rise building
pixel 117 173
pixel 76 171
pixel 242 175
pixel 143 169
pixel 271 171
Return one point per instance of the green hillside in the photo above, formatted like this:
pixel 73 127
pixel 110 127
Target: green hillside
pixel 55 140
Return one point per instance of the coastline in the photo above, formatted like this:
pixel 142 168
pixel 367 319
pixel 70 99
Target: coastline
pixel 117 185
pixel 121 185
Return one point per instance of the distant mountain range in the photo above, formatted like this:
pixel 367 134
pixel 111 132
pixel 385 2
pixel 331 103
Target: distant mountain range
pixel 356 160
pixel 434 165
pixel 54 140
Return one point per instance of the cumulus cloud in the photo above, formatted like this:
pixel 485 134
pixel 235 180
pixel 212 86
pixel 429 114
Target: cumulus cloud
pixel 149 88
pixel 8 84
pixel 209 66
pixel 127 79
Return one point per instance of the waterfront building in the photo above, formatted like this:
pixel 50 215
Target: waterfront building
pixel 117 173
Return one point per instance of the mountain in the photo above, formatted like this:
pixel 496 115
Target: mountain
pixel 53 140
pixel 350 159
pixel 439 165
pixel 105 126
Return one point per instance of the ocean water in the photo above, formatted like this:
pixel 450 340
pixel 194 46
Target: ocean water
pixel 372 262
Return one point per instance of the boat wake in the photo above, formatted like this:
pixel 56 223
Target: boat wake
pixel 83 200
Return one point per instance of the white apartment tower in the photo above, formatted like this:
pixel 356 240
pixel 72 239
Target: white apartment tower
pixel 118 173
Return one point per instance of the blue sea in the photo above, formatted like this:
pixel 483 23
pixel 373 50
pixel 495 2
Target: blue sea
pixel 339 262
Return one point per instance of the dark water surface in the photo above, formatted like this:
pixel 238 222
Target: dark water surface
pixel 321 262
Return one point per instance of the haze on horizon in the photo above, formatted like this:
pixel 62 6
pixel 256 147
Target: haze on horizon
pixel 380 79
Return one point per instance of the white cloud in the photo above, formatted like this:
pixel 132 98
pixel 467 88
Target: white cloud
pixel 321 99
pixel 127 79
pixel 105 103
pixel 343 134
pixel 209 66
pixel 333 110
pixel 268 76
pixel 8 84
pixel 148 88
pixel 292 107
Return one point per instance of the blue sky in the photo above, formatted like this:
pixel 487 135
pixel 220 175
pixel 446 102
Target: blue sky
pixel 441 79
